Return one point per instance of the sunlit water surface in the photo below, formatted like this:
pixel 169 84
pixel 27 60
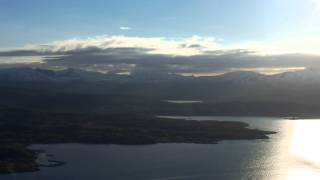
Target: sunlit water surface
pixel 293 154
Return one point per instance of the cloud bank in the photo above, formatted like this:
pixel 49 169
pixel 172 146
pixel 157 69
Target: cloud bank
pixel 152 45
pixel 188 56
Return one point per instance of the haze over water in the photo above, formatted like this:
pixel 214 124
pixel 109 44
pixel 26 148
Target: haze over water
pixel 292 154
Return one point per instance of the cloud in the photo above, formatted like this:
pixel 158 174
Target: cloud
pixel 191 46
pixel 194 45
pixel 193 55
pixel 293 45
pixel 261 70
pixel 125 28
pixel 186 65
pixel 20 60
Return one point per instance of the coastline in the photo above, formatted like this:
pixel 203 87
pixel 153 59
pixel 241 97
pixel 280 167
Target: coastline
pixel 27 158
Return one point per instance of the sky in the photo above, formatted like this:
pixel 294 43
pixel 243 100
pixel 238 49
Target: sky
pixel 39 21
pixel 159 27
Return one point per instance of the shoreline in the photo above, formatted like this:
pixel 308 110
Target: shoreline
pixel 126 129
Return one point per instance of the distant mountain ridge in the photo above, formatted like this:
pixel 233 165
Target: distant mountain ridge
pixel 236 93
pixel 70 74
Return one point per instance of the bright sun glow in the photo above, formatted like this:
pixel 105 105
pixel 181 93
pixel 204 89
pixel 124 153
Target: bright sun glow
pixel 305 150
pixel 317 3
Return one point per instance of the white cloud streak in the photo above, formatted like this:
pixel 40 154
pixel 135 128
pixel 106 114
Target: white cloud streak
pixel 295 45
pixel 21 60
pixel 125 28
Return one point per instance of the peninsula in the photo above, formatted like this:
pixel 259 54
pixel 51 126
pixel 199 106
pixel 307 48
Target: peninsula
pixel 19 128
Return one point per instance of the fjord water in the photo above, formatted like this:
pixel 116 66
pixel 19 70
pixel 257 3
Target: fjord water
pixel 293 154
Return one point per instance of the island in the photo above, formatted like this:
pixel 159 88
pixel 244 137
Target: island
pixel 19 128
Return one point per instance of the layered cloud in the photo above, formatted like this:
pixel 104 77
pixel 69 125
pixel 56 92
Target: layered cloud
pixel 189 56
pixel 152 45
pixel 194 45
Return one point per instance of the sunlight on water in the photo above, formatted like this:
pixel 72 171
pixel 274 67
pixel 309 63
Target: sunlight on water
pixel 305 149
pixel 303 173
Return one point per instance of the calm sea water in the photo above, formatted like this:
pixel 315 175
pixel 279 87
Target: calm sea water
pixel 293 154
pixel 183 101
